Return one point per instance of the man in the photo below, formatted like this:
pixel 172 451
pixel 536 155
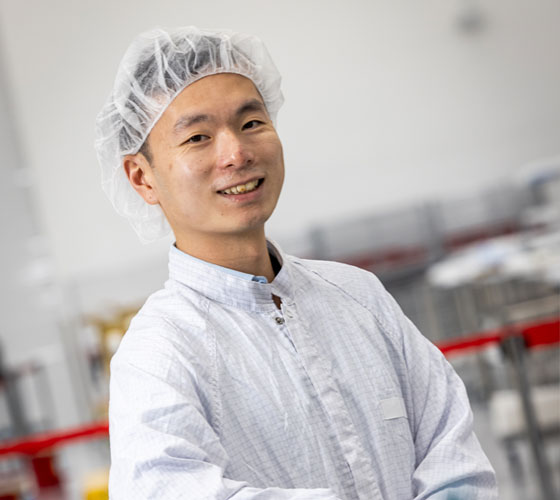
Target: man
pixel 254 374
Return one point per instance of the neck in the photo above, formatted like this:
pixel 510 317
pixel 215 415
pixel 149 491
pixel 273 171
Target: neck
pixel 245 253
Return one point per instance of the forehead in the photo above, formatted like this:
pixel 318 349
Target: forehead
pixel 213 94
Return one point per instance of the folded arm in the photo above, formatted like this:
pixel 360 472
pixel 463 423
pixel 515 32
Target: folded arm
pixel 162 444
pixel 450 463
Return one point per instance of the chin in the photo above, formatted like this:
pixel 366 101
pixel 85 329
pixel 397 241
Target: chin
pixel 249 226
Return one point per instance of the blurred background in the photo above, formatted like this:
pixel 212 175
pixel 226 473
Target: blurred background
pixel 422 142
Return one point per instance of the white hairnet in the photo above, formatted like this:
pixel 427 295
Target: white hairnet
pixel 157 66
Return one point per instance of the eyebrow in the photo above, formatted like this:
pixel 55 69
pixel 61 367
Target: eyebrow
pixel 187 121
pixel 251 105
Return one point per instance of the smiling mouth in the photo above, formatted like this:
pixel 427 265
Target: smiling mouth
pixel 243 188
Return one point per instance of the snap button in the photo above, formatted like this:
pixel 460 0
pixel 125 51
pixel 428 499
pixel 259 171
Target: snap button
pixel 279 320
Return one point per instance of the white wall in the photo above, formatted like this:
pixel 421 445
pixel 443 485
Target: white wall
pixel 386 102
pixel 32 312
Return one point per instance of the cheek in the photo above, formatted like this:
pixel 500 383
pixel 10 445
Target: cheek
pixel 181 184
pixel 271 149
pixel 189 169
pixel 278 154
pixel 195 165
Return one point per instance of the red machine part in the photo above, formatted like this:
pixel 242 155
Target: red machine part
pixel 33 445
pixel 535 335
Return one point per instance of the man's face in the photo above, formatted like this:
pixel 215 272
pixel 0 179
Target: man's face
pixel 213 141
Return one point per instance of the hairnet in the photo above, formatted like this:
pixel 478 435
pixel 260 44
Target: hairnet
pixel 157 66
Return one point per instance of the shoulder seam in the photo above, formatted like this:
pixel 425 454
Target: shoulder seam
pixel 380 322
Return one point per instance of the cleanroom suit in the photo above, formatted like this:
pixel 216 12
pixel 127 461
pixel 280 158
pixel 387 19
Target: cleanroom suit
pixel 218 394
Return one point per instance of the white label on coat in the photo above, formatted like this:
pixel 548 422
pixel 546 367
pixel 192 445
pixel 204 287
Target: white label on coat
pixel 393 408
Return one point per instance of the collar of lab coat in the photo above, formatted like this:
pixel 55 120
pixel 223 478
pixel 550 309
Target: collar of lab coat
pixel 226 288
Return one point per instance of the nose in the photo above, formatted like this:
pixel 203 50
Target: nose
pixel 232 151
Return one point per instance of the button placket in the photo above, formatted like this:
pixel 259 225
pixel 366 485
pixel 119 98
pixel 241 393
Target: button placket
pixel 287 310
pixel 284 328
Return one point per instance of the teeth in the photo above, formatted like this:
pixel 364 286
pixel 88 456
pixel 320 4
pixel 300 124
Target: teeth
pixel 242 188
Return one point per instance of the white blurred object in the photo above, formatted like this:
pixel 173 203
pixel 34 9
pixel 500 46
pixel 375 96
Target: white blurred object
pixel 473 262
pixel 535 257
pixel 506 411
pixel 539 259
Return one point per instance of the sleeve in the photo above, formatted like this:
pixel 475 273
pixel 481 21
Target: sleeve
pixel 162 444
pixel 450 463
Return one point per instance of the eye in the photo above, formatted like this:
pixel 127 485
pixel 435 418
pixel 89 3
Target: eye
pixel 252 124
pixel 196 139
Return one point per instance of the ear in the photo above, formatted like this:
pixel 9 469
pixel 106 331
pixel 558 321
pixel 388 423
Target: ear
pixel 140 176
